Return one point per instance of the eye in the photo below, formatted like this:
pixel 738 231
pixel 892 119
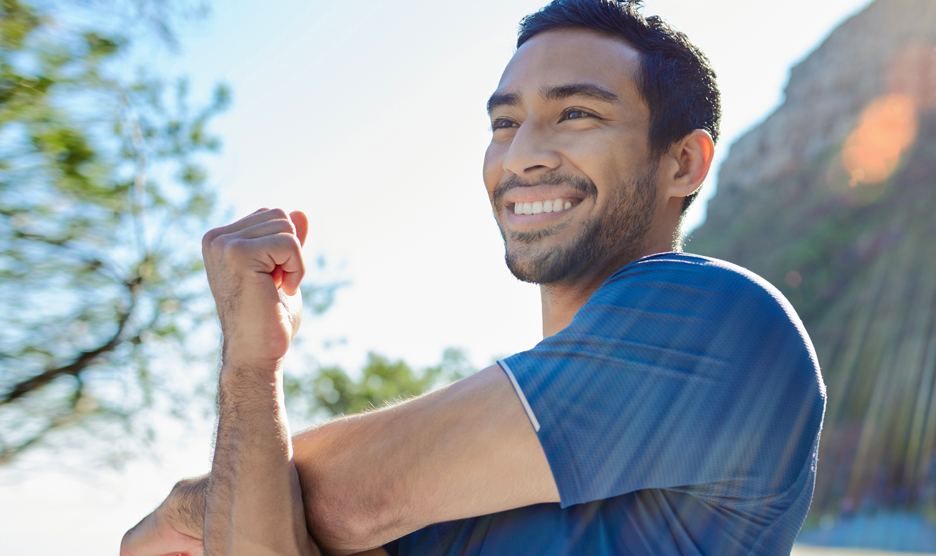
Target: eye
pixel 575 114
pixel 502 123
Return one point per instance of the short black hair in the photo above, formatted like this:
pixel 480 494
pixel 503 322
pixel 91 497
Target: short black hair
pixel 675 78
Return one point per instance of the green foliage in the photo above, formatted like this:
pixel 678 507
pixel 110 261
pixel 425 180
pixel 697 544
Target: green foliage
pixel 381 381
pixel 101 189
pixel 103 196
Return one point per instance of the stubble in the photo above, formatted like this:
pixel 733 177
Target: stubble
pixel 617 236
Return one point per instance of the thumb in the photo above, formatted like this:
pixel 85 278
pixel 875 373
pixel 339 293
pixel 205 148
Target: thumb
pixel 301 222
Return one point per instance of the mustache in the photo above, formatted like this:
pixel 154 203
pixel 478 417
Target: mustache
pixel 582 185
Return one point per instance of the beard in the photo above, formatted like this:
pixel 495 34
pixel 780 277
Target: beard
pixel 616 236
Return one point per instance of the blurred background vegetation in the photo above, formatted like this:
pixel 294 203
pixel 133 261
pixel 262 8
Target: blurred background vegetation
pixel 832 200
pixel 104 182
pixel 100 178
pixel 103 185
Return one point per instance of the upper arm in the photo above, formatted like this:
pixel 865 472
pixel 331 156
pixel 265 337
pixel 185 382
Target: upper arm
pixel 674 375
pixel 693 378
pixel 464 450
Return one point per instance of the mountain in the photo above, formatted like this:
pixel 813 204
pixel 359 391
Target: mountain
pixel 832 198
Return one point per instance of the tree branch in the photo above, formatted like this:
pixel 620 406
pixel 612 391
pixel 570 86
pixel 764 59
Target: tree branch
pixel 7 453
pixel 73 369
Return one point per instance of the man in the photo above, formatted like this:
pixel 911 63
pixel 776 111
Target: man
pixel 673 407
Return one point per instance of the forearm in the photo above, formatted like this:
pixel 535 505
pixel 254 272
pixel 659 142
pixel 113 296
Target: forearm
pixel 185 507
pixel 465 450
pixel 254 504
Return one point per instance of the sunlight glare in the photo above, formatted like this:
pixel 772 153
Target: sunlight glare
pixel 887 128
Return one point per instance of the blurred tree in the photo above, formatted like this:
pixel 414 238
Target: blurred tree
pixel 381 381
pixel 100 181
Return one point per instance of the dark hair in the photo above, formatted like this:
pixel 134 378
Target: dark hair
pixel 675 78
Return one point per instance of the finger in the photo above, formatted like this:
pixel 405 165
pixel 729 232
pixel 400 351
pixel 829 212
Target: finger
pixel 277 275
pixel 260 255
pixel 301 223
pixel 257 217
pixel 216 247
pixel 282 250
pixel 292 276
pixel 291 282
pixel 293 269
pixel 263 229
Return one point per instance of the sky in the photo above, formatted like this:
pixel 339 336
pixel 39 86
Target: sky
pixel 370 117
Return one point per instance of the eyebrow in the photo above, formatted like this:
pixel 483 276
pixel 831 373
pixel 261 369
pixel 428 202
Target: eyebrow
pixel 502 99
pixel 593 92
pixel 557 92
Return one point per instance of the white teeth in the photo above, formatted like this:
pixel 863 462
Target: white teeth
pixel 537 207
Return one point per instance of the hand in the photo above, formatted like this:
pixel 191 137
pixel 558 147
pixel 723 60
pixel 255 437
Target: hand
pixel 254 269
pixel 168 529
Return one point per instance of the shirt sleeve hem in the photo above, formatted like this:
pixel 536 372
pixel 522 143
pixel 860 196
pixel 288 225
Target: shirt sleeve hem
pixel 523 399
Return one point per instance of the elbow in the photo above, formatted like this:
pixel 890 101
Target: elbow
pixel 353 500
pixel 342 521
pixel 345 511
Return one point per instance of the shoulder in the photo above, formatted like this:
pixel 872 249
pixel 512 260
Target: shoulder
pixel 704 305
pixel 701 369
pixel 700 289
pixel 688 274
pixel 767 365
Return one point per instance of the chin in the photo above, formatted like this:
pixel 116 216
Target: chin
pixel 547 266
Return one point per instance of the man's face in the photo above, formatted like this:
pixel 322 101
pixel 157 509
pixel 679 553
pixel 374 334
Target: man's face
pixel 567 170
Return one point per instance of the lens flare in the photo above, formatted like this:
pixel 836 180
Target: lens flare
pixel 888 126
pixel 794 279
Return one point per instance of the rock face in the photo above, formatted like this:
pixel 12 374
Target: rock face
pixel 864 58
pixel 832 198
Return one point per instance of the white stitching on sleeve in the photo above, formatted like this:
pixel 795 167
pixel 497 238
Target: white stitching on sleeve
pixel 520 394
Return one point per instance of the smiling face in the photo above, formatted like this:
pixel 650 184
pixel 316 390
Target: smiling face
pixel 568 170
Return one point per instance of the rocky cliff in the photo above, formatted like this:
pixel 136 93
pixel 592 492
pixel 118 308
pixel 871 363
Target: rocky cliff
pixel 832 198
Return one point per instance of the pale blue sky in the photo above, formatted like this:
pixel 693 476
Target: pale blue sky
pixel 370 116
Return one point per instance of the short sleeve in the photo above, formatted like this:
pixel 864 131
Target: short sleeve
pixel 681 372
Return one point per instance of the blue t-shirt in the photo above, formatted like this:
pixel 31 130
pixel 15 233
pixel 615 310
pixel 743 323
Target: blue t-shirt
pixel 680 413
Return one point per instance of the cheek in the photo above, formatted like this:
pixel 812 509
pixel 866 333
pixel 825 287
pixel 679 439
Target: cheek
pixel 493 167
pixel 615 159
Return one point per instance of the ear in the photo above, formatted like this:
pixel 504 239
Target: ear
pixel 685 166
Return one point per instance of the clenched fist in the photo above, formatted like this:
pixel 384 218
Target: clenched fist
pixel 254 269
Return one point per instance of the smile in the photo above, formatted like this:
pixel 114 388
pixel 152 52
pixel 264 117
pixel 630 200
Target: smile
pixel 538 207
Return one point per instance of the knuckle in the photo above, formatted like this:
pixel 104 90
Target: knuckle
pixel 278 213
pixel 214 242
pixel 233 249
pixel 281 227
pixel 209 237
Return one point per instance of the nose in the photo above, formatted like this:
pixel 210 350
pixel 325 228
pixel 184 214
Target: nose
pixel 531 151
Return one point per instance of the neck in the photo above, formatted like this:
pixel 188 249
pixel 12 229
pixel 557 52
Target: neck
pixel 562 300
pixel 560 304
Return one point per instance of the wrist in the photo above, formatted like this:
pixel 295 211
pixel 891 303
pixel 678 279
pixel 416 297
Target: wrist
pixel 249 390
pixel 235 367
